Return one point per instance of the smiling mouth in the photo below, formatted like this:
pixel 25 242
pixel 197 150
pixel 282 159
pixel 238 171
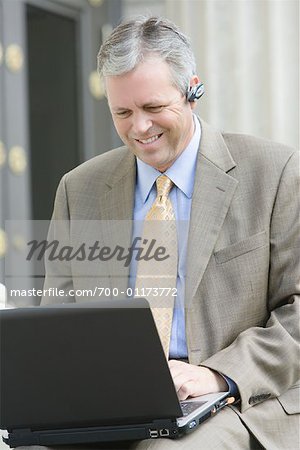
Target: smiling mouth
pixel 150 140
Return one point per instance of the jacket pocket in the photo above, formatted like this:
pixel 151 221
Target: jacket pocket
pixel 290 400
pixel 240 248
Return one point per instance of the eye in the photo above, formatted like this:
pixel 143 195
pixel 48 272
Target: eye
pixel 122 114
pixel 155 109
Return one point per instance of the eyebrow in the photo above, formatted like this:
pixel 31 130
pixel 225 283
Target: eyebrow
pixel 120 109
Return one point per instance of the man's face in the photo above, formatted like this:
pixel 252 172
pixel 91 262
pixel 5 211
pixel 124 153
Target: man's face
pixel 151 116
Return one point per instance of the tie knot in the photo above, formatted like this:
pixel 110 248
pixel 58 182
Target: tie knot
pixel 163 185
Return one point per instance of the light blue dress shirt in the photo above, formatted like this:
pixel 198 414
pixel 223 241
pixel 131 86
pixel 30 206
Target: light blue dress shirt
pixel 182 173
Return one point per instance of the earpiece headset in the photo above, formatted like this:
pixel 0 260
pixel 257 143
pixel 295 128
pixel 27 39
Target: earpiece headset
pixel 195 92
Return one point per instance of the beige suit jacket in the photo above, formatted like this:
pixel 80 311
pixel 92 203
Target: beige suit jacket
pixel 242 284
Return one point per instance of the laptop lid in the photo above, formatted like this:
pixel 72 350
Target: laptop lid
pixel 67 366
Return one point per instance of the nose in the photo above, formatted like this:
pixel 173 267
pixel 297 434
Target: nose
pixel 141 123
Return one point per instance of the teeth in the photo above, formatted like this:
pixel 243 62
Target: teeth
pixel 148 141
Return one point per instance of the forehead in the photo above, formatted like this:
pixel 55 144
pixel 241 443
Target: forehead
pixel 150 81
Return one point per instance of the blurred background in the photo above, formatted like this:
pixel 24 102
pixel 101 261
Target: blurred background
pixel 53 114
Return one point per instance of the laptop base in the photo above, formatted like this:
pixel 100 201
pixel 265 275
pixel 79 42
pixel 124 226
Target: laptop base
pixel 151 430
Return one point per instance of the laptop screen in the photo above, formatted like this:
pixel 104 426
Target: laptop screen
pixel 83 365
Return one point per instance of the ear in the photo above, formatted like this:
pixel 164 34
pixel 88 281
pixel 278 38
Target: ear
pixel 193 82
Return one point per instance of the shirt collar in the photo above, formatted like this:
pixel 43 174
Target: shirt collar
pixel 182 171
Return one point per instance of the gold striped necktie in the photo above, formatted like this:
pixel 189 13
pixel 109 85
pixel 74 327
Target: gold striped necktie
pixel 158 277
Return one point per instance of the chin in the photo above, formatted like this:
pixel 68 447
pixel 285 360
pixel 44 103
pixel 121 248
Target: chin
pixel 160 167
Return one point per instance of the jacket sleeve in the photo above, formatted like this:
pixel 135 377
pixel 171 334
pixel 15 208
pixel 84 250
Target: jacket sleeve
pixel 264 361
pixel 58 280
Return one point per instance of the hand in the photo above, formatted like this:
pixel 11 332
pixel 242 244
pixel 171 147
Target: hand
pixel 192 381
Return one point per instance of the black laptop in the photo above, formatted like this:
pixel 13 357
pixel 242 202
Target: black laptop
pixel 90 372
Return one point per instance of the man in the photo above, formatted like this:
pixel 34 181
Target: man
pixel 235 320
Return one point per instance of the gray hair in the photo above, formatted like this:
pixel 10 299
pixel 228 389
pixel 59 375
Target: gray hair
pixel 133 40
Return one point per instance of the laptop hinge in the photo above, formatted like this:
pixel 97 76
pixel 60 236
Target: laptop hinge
pixel 20 430
pixel 159 422
pixel 25 434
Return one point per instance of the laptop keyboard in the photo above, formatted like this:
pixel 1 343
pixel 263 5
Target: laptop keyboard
pixel 189 407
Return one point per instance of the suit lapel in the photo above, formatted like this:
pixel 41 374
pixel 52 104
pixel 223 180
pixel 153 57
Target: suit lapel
pixel 116 211
pixel 213 192
pixel 118 201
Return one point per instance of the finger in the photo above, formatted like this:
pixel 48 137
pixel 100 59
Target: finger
pixel 177 367
pixel 186 390
pixel 181 380
pixel 175 363
pixel 172 362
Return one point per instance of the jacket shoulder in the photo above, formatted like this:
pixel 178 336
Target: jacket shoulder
pixel 101 166
pixel 258 149
pixel 258 159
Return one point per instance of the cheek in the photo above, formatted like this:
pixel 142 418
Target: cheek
pixel 120 127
